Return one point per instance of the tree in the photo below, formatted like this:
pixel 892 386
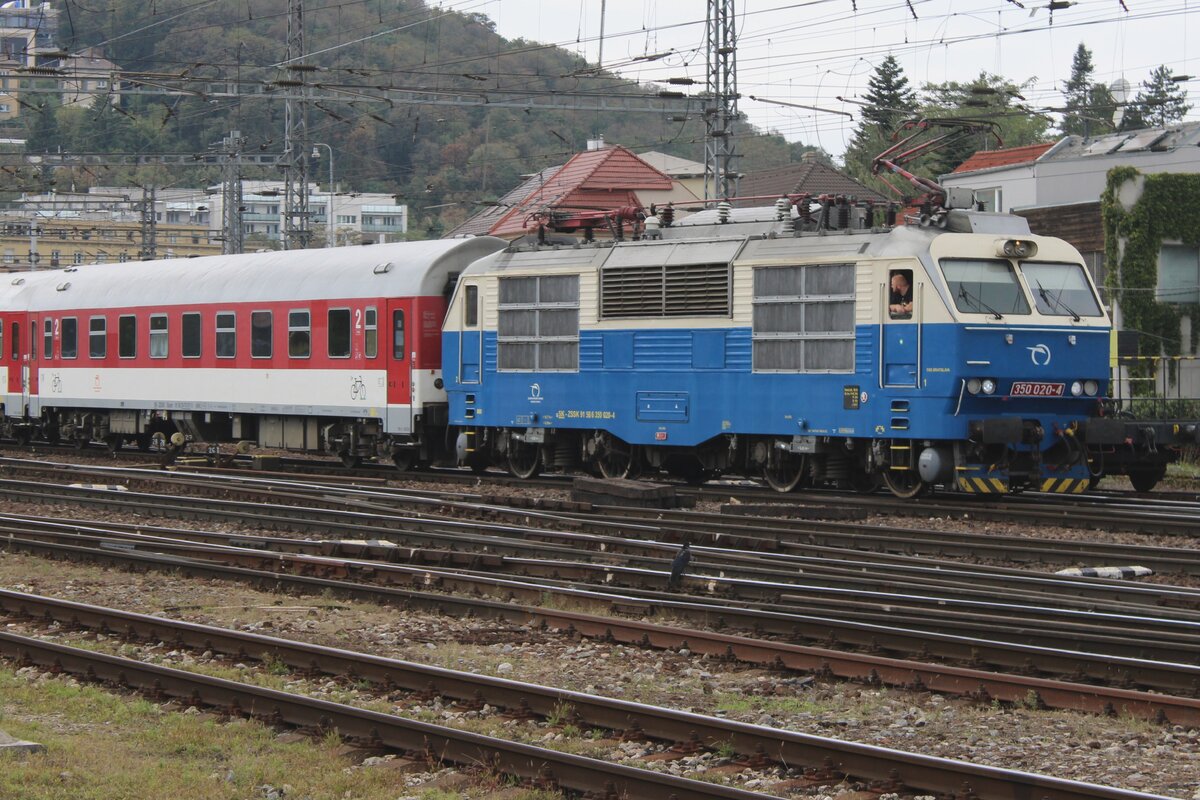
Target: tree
pixel 889 101
pixel 1160 102
pixel 988 97
pixel 1088 110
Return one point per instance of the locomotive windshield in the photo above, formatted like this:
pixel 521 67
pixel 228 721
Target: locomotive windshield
pixel 984 286
pixel 1060 289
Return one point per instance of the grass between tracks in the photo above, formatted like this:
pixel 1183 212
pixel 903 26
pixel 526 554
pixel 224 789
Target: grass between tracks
pixel 103 746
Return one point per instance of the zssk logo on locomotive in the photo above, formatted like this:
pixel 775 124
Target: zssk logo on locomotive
pixel 1036 389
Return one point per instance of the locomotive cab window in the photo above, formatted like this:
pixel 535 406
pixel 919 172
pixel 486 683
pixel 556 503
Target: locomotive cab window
pixel 97 337
pixel 471 306
pixel 1060 290
pixel 159 344
pixel 260 334
pixel 69 347
pixel 226 330
pixel 299 334
pixel 371 332
pixel 984 286
pixel 47 338
pixel 127 336
pixel 339 333
pixel 191 339
pixel 900 297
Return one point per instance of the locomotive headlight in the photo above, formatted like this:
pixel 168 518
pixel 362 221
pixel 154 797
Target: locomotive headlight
pixel 1076 388
pixel 1016 248
pixel 1091 388
pixel 988 385
pixel 974 385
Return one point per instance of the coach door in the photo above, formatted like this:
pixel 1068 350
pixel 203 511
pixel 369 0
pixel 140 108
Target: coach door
pixel 900 332
pixel 400 352
pixel 17 386
pixel 470 343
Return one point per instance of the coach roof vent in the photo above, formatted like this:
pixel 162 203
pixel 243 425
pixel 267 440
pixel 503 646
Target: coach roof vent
pixel 381 269
pixel 62 287
pixel 17 281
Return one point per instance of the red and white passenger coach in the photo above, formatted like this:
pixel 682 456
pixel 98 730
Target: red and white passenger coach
pixel 334 350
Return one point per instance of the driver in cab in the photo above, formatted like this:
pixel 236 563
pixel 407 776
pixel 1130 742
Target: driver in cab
pixel 900 304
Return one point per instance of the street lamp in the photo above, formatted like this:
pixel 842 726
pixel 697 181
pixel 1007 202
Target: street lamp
pixel 329 209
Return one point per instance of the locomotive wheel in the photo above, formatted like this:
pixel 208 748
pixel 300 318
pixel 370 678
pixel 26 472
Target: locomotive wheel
pixel 524 460
pixel 904 484
pixel 618 460
pixel 866 482
pixel 145 441
pixel 785 476
pixel 113 443
pixel 404 459
pixel 1145 479
pixel 350 460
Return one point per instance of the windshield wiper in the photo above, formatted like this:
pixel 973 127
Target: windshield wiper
pixel 1056 300
pixel 971 297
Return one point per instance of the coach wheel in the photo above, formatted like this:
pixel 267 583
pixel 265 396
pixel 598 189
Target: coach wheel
pixel 145 441
pixel 22 436
pixel 905 484
pixel 785 474
pixel 350 460
pixel 616 459
pixel 1146 478
pixel 113 443
pixel 524 460
pixel 404 458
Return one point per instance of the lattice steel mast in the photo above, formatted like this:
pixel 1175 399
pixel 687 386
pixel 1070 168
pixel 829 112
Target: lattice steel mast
pixel 720 111
pixel 297 234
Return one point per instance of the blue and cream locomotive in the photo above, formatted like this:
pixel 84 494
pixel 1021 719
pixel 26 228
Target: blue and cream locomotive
pixel 798 343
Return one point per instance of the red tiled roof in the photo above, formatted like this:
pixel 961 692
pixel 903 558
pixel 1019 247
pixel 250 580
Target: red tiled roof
pixel 596 179
pixel 990 159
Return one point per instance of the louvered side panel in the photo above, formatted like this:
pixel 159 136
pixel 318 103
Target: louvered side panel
pixel 662 350
pixel 591 352
pixel 738 350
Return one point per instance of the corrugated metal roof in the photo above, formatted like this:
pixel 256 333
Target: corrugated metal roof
pixel 1008 157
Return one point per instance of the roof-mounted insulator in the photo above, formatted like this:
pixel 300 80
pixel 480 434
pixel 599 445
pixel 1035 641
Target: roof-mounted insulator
pixel 723 210
pixel 666 216
pixel 783 214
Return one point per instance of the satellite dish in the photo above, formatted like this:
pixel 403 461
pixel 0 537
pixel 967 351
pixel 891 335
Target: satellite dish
pixel 1119 89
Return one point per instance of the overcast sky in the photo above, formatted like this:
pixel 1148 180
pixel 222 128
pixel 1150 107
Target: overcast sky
pixel 812 53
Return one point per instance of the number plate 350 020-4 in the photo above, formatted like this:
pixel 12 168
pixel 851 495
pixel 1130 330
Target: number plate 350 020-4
pixel 1036 389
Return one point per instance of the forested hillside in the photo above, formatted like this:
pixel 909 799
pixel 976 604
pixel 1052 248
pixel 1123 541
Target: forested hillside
pixel 440 159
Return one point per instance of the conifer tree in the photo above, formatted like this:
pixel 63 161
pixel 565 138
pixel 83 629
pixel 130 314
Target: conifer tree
pixel 1089 104
pixel 889 101
pixel 1159 103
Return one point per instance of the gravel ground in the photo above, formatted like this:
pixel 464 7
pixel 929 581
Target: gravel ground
pixel 1117 752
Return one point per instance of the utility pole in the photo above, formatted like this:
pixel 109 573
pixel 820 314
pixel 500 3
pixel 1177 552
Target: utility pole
pixel 296 233
pixel 149 228
pixel 720 112
pixel 232 231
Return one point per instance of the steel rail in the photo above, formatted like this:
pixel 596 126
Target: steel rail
pixel 1095 631
pixel 754 742
pixel 1179 679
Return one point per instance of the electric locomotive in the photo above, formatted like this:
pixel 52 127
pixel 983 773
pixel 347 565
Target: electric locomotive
pixel 771 342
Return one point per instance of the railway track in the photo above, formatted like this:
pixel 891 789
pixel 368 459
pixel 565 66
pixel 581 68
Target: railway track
pixel 821 759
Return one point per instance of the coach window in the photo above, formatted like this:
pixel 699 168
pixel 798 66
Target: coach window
pixel 47 338
pixel 70 338
pixel 127 336
pixel 339 333
pixel 260 334
pixel 159 344
pixel 299 334
pixel 191 335
pixel 398 335
pixel 471 307
pixel 97 337
pixel 16 341
pixel 371 332
pixel 226 335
